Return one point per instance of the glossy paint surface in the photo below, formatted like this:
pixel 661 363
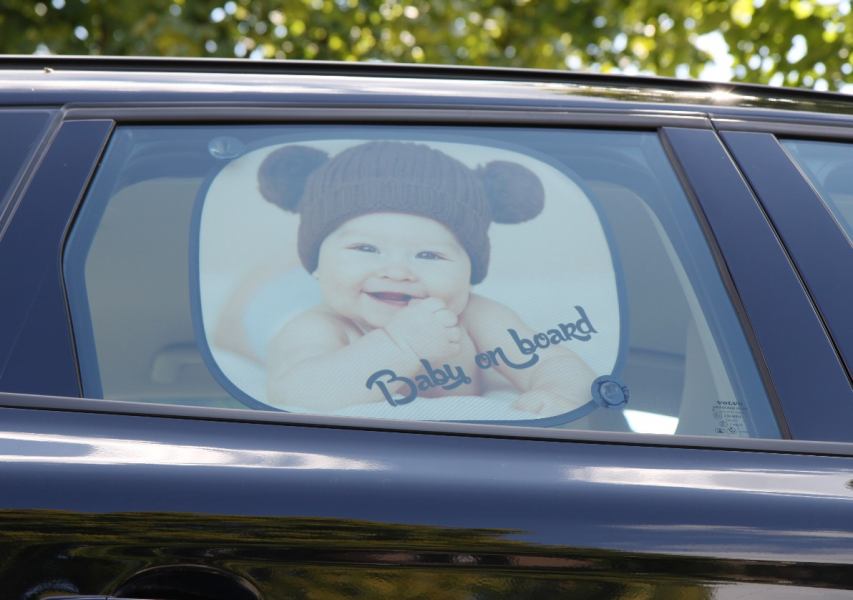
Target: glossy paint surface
pixel 272 502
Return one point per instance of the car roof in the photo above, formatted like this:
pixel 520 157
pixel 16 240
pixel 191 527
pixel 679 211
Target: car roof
pixel 62 80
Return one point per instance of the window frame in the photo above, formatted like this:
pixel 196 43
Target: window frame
pixel 31 148
pixel 813 239
pixel 808 230
pixel 816 399
pixel 37 350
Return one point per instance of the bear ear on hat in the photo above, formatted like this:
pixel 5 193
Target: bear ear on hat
pixel 514 192
pixel 283 174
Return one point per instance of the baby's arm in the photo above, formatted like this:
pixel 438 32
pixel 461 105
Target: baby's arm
pixel 313 363
pixel 558 382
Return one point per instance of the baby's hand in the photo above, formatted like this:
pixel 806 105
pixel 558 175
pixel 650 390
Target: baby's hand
pixel 428 328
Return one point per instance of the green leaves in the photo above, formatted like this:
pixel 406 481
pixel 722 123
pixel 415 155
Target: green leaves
pixel 784 42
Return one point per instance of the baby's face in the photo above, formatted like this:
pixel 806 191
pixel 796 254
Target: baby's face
pixel 374 265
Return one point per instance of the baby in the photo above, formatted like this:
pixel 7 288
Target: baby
pixel 396 234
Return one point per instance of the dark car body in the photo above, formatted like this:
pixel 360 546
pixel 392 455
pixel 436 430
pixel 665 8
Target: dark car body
pixel 102 498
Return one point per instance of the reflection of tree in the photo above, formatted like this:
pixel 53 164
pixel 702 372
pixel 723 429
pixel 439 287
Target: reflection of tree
pixel 319 559
pixel 803 42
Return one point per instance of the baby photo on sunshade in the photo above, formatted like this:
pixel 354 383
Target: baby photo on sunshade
pixel 388 250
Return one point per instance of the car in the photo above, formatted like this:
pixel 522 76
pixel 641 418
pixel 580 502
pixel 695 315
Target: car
pixel 276 330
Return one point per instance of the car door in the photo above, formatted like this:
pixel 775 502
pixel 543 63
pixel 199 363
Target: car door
pixel 168 496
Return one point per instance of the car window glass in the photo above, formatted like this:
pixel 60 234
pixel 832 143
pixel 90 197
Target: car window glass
pixel 525 276
pixel 829 167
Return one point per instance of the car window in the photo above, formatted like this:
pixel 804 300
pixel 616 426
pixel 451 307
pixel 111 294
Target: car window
pixel 20 133
pixel 550 278
pixel 829 167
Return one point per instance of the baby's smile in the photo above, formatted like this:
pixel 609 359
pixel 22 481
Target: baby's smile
pixel 393 298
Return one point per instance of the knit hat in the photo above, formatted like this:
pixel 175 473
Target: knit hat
pixel 399 177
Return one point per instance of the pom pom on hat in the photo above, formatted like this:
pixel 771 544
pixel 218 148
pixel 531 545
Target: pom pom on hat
pixel 514 192
pixel 283 174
